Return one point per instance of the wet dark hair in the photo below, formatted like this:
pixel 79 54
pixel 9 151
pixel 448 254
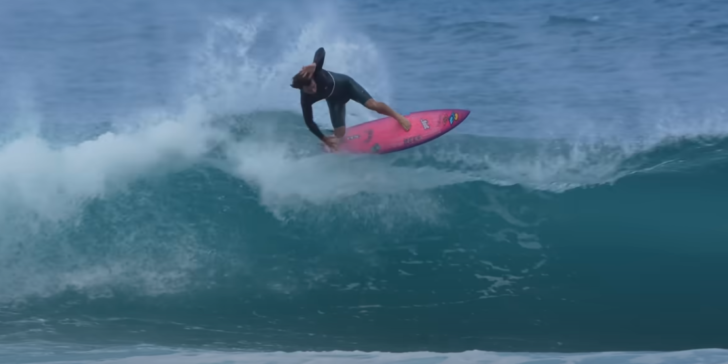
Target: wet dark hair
pixel 300 81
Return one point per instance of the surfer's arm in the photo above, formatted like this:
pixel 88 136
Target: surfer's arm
pixel 308 118
pixel 313 69
pixel 318 59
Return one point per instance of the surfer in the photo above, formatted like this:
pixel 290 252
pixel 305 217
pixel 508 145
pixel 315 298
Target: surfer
pixel 317 84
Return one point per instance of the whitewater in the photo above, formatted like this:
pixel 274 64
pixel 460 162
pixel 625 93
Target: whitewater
pixel 161 200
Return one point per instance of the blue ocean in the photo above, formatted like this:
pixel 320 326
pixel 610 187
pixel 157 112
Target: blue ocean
pixel 162 201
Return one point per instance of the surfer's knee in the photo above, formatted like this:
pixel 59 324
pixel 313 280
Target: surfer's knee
pixel 340 132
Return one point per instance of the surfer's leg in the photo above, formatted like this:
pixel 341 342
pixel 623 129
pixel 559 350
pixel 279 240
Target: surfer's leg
pixel 360 95
pixel 384 109
pixel 337 112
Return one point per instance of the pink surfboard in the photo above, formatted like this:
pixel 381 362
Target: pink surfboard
pixel 385 135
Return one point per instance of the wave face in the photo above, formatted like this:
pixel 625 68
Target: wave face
pixel 273 241
pixel 158 186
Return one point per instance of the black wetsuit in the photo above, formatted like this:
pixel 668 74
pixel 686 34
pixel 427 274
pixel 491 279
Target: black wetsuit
pixel 337 89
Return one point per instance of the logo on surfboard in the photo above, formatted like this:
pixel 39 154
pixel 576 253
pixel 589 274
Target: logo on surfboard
pixel 425 124
pixel 453 117
pixel 412 140
pixel 448 118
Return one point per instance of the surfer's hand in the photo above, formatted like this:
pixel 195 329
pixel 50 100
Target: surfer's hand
pixel 332 142
pixel 307 71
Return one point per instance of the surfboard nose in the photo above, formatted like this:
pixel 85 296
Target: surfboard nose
pixel 458 115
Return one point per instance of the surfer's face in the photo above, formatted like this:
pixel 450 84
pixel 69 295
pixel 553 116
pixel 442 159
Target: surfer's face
pixel 311 88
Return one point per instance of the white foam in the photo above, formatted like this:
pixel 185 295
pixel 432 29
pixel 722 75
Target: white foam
pixel 287 182
pixel 44 187
pixel 153 355
pixel 234 80
pixel 51 181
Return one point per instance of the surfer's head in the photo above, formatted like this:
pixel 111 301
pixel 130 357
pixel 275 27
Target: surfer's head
pixel 308 85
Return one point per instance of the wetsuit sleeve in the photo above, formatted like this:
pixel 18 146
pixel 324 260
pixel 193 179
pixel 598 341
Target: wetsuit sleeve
pixel 308 118
pixel 318 58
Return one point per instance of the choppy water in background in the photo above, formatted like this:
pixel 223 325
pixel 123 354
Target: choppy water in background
pixel 162 201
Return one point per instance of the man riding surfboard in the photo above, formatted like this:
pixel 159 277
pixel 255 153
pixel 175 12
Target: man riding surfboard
pixel 317 84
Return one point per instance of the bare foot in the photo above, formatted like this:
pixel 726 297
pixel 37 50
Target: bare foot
pixel 404 122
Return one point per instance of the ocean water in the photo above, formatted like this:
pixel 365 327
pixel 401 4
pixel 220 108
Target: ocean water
pixel 161 200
